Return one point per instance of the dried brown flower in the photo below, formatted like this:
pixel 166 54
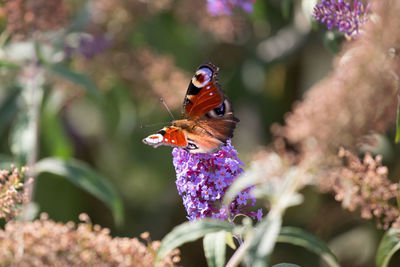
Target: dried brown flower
pixel 24 17
pixel 47 243
pixel 146 71
pixel 165 79
pixel 12 193
pixel 364 185
pixel 359 96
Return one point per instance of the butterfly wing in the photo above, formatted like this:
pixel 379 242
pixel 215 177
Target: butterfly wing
pixel 169 136
pixel 204 93
pixel 206 104
pixel 208 116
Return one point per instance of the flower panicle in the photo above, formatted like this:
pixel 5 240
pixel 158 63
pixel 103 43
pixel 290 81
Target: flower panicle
pixel 12 192
pixel 50 243
pixel 202 181
pixel 364 184
pixel 342 15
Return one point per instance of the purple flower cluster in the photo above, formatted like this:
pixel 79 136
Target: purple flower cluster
pixel 225 7
pixel 202 180
pixel 88 46
pixel 342 15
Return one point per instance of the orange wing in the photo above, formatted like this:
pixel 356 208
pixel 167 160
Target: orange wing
pixel 170 136
pixel 204 93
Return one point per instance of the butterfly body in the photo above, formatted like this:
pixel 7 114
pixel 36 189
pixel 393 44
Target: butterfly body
pixel 208 120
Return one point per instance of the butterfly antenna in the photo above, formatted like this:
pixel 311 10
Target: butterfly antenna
pixel 166 107
pixel 141 126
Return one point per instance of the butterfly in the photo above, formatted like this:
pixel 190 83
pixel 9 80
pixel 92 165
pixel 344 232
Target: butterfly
pixel 208 120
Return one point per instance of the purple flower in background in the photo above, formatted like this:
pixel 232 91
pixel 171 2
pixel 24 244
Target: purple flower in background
pixel 342 15
pixel 93 45
pixel 202 180
pixel 225 7
pixel 88 46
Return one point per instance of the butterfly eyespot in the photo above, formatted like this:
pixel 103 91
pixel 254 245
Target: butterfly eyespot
pixel 192 146
pixel 162 132
pixel 202 77
pixel 220 111
pixel 217 112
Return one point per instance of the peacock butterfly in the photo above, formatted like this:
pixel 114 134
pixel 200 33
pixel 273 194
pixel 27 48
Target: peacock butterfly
pixel 208 120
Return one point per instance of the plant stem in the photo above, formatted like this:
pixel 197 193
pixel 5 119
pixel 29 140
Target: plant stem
pixel 33 89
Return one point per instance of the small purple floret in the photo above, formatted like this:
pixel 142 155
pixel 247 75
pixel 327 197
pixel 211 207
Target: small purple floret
pixel 202 180
pixel 225 7
pixel 259 215
pixel 342 15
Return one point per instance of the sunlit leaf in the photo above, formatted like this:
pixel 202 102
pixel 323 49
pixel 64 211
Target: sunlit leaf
pixel 299 237
pixel 64 71
pixel 24 133
pixel 388 246
pixel 86 178
pixel 190 231
pixel 23 137
pixel 215 248
pixel 229 240
pixel 265 235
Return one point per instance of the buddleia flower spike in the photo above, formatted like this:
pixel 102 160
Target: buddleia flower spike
pixel 202 180
pixel 342 15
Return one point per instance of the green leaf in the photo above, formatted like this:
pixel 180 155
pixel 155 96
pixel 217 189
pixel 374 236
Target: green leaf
pixel 190 231
pixel 53 135
pixel 389 245
pixel 64 71
pixel 398 120
pixel 299 237
pixel 6 161
pixel 86 178
pixel 265 235
pixel 8 109
pixel 229 240
pixel 332 42
pixel 215 248
pixel 8 65
pixel 285 8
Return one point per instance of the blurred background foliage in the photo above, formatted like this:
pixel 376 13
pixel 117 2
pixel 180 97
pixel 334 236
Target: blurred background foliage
pixel 89 75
